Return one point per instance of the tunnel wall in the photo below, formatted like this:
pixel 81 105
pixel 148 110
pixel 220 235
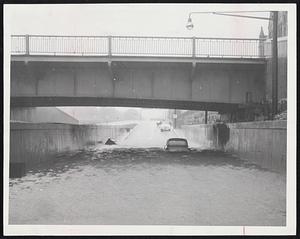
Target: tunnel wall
pixel 37 142
pixel 261 142
pixel 202 134
pixel 41 114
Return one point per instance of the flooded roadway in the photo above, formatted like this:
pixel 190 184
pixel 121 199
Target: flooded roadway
pixel 122 185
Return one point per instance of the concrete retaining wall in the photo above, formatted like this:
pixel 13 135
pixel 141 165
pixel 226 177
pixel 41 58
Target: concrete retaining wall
pixel 263 142
pixel 202 134
pixel 32 142
pixel 41 115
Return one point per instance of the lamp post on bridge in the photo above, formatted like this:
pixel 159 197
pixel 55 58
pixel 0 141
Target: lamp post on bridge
pixel 274 19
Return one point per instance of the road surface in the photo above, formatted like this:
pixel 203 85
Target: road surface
pixel 138 183
pixel 146 134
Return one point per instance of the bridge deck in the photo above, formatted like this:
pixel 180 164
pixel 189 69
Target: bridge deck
pixel 146 72
pixel 47 58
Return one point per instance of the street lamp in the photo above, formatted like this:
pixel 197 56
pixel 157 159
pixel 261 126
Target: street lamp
pixel 274 20
pixel 190 24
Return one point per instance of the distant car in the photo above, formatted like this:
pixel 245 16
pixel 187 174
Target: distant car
pixel 165 127
pixel 158 123
pixel 177 145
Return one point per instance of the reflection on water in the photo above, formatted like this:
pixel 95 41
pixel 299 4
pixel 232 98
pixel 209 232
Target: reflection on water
pixel 126 157
pixel 148 186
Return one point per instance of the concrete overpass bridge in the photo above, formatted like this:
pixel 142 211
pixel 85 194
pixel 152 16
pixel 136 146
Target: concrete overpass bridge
pixel 217 74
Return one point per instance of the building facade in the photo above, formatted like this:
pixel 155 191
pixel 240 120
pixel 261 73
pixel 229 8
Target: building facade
pixel 282 31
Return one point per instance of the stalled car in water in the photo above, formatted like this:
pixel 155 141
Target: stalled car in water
pixel 177 145
pixel 165 127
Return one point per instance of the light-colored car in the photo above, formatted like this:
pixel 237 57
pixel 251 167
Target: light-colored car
pixel 165 127
pixel 177 145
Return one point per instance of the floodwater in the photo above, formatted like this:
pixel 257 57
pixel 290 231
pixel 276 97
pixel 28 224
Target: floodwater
pixel 126 185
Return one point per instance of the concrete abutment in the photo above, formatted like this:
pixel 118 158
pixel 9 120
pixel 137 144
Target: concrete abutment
pixel 33 143
pixel 261 142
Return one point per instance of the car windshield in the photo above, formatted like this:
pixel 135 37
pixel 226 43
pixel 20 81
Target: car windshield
pixel 177 143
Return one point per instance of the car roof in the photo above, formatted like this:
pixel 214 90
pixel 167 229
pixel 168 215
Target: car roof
pixel 177 139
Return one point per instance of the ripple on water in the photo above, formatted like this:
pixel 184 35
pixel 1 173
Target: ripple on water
pixel 159 186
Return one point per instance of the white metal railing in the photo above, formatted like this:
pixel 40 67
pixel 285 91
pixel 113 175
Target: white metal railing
pixel 136 46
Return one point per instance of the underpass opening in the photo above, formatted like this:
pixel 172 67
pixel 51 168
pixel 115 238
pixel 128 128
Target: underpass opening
pixel 42 133
pixel 148 127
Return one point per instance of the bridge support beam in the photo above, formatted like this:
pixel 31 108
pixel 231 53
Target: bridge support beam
pixel 39 101
pixel 192 76
pixel 112 77
pixel 37 75
pixel 152 84
pixel 75 82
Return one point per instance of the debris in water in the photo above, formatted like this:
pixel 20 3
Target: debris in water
pixel 110 142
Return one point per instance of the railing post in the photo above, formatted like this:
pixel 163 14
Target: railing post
pixel 27 44
pixel 194 47
pixel 109 45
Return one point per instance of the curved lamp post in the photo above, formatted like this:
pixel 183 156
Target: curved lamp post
pixel 274 19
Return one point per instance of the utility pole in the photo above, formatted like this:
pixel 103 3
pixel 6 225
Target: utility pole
pixel 205 117
pixel 274 64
